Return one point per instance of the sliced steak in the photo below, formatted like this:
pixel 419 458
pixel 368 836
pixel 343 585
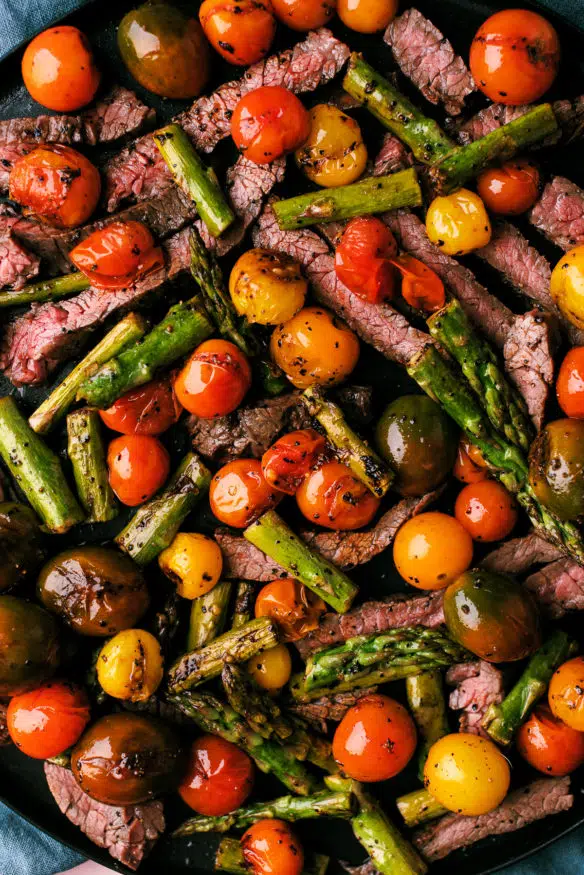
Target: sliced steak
pixel 569 113
pixel 241 560
pixel 332 707
pixel 17 264
pixel 521 555
pixel 558 587
pixel 366 868
pixel 521 807
pixel 559 213
pixel 528 355
pixel 427 58
pixel 392 157
pixel 127 832
pixel 477 685
pixel 4 736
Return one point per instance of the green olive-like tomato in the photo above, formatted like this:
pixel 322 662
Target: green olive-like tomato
pixel 124 759
pixel 492 615
pixel 419 442
pixel 165 50
pixel 556 467
pixel 21 546
pixel 96 590
pixel 29 646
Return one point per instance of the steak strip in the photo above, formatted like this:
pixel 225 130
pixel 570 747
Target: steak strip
pixel 477 685
pixel 528 355
pixel 559 213
pixel 558 587
pixel 521 554
pixel 17 264
pixel 569 113
pixel 332 707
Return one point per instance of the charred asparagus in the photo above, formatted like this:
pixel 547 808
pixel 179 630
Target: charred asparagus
pixel 208 615
pixel 86 451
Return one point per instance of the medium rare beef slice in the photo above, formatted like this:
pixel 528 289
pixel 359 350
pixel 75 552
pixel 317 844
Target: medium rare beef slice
pixel 521 554
pixel 241 560
pixel 528 355
pixel 524 268
pixel 477 685
pixel 17 264
pixel 366 868
pixel 558 587
pixel 392 157
pixel 521 807
pixel 127 832
pixel 559 213
pixel 331 708
pixel 569 114
pixel 427 58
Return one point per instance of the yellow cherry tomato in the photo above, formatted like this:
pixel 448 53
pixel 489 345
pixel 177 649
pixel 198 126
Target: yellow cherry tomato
pixel 334 153
pixel 467 774
pixel 129 666
pixel 272 668
pixel 567 286
pixel 367 16
pixel 458 223
pixel 267 287
pixel 314 348
pixel 566 693
pixel 194 562
pixel 431 550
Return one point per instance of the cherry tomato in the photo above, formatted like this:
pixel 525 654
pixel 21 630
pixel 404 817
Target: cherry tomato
pixel 566 693
pixel 567 285
pixel 242 31
pixel 149 409
pixel 219 777
pixel 304 14
pixel 215 379
pixel 458 223
pixel 363 259
pixel 570 383
pixel 421 288
pixel 48 720
pixel 375 740
pixel 510 189
pixel 470 466
pixel 138 466
pixel 295 608
pixel 271 669
pixel 367 16
pixel 114 257
pixel 240 493
pixel 291 458
pixel 271 848
pixel 333 497
pixel 515 56
pixel 486 510
pixel 59 70
pixel 431 550
pixel 549 745
pixel 269 122
pixel 57 184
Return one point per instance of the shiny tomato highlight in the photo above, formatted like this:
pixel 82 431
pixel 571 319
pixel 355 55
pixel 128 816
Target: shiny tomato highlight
pixel 332 497
pixel 566 693
pixel 219 777
pixel 150 409
pixel 241 31
pixel 469 466
pixel 421 288
pixel 270 847
pixel 116 256
pixel 486 510
pixel 287 462
pixel 48 720
pixel 570 383
pixel 510 189
pixel 292 606
pixel 240 493
pixel 138 466
pixel 58 69
pixel 363 259
pixel 549 745
pixel 215 379
pixel 269 122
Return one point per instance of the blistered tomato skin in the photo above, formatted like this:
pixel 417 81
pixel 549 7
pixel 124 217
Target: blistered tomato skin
pixel 192 561
pixel 48 720
pixel 332 497
pixel 510 189
pixel 129 666
pixel 59 70
pixel 269 122
pixel 334 153
pixel 241 31
pixel 114 257
pixel 567 286
pixel 292 606
pixel 469 466
pixel 239 493
pixel 570 383
pixel 150 409
pixel 458 223
pixel 218 779
pixel 270 847
pixel 566 693
pixel 304 15
pixel 138 466
pixel 486 510
pixel 215 379
pixel 367 16
pixel 431 550
pixel 363 259
pixel 556 467
pixel 271 669
pixel 267 287
pixel 549 745
pixel 30 650
pixel 289 461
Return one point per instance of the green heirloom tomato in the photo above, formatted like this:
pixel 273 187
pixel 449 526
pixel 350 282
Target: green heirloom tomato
pixel 29 646
pixel 556 467
pixel 21 548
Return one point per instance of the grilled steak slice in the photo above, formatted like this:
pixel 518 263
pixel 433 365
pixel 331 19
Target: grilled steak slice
pixel 528 354
pixel 521 807
pixel 559 213
pixel 242 560
pixel 4 736
pixel 17 264
pixel 366 868
pixel 427 58
pixel 392 157
pixel 331 708
pixel 521 554
pixel 477 685
pixel 128 832
pixel 558 587
pixel 569 113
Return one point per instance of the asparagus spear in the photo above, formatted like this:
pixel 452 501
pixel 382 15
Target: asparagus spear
pixel 426 701
pixel 502 721
pixel 155 524
pixel 208 615
pixel 244 602
pixel 351 450
pixel 229 858
pixel 271 535
pixel 36 470
pixel 419 807
pixel 377 194
pixel 52 410
pixel 198 182
pixel 47 290
pixel 87 454
pixel 182 329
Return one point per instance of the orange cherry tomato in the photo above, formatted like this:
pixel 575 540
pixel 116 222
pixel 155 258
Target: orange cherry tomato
pixel 59 70
pixel 56 184
pixel 48 720
pixel 486 510
pixel 515 56
pixel 240 493
pixel 149 409
pixel 421 288
pixel 363 259
pixel 549 745
pixel 333 497
pixel 367 16
pixel 116 256
pixel 215 379
pixel 304 14
pixel 432 550
pixel 269 122
pixel 469 466
pixel 242 31
pixel 270 847
pixel 291 458
pixel 138 466
pixel 570 383
pixel 219 777
pixel 375 740
pixel 510 189
pixel 566 693
pixel 295 608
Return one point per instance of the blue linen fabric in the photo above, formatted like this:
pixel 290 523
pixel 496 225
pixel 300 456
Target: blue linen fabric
pixel 23 849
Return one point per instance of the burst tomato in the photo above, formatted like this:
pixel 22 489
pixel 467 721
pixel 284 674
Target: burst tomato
pixel 48 720
pixel 333 497
pixel 470 466
pixel 570 383
pixel 59 70
pixel 219 777
pixel 215 379
pixel 270 847
pixel 240 493
pixel 510 189
pixel 295 608
pixel 291 458
pixel 138 466
pixel 269 122
pixel 363 259
pixel 549 745
pixel 116 256
pixel 486 510
pixel 149 409
pixel 241 31
pixel 421 288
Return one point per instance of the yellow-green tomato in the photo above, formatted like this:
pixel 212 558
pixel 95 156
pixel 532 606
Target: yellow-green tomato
pixel 194 562
pixel 334 153
pixel 467 774
pixel 267 287
pixel 129 666
pixel 567 286
pixel 272 668
pixel 458 223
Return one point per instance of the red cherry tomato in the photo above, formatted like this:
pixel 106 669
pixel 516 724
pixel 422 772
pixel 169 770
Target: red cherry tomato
pixel 570 383
pixel 149 409
pixel 375 740
pixel 240 493
pixel 291 458
pixel 295 608
pixel 215 379
pixel 421 288
pixel 269 122
pixel 48 720
pixel 470 466
pixel 270 847
pixel 549 745
pixel 486 510
pixel 510 189
pixel 138 466
pixel 219 777
pixel 116 256
pixel 332 497
pixel 363 259
pixel 59 70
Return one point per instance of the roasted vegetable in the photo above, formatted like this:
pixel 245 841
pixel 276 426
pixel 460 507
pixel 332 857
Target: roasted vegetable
pixel 21 545
pixel 193 562
pixel 334 153
pixel 45 290
pixel 268 122
pixel 271 669
pixel 59 70
pixel 208 615
pixel 428 707
pixel 240 30
pixel 333 497
pixel 566 286
pixel 419 807
pixel 431 550
pixel 458 223
pixel 86 451
pixel 215 379
pixel 229 858
pixel 29 646
pixel 129 666
pixel 267 287
pixel 556 467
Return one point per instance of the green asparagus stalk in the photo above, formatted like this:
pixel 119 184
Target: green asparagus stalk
pixel 208 615
pixel 244 602
pixel 197 181
pixel 423 135
pixel 377 194
pixel 270 756
pixel 419 807
pixel 351 450
pixel 123 335
pixel 86 451
pixel 183 328
pixel 229 858
pixel 271 378
pixel 271 535
pixel 155 524
pixel 502 721
pixel 428 708
pixel 36 470
pixel 47 290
